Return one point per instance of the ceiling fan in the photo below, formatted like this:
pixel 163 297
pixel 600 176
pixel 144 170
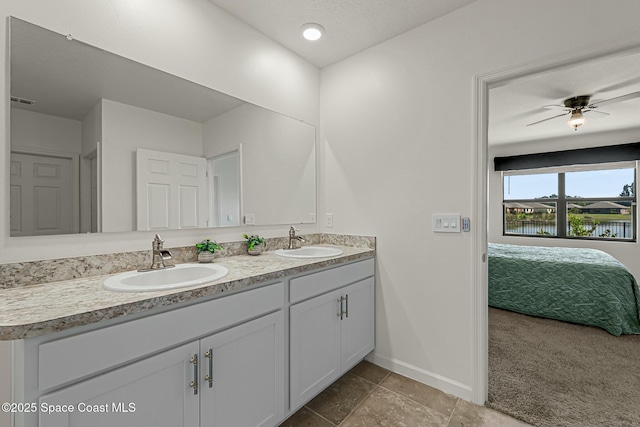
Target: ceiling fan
pixel 579 105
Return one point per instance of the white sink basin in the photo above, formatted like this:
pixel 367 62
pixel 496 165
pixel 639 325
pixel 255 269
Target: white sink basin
pixel 309 252
pixel 180 276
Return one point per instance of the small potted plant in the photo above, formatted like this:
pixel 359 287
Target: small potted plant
pixel 205 250
pixel 255 244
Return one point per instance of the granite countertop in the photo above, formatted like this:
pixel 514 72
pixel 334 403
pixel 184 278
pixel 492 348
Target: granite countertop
pixel 29 311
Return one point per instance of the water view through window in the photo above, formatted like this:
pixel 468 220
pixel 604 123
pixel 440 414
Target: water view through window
pixel 593 204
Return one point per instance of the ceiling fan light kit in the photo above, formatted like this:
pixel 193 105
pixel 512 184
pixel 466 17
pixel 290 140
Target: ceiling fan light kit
pixel 576 120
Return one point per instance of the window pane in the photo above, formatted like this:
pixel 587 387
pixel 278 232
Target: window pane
pixel 532 218
pixel 600 183
pixel 600 219
pixel 530 186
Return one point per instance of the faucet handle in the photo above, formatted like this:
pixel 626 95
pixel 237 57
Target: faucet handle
pixel 157 242
pixel 292 231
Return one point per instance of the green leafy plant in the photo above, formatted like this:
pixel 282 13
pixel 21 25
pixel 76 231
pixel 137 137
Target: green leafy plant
pixel 255 240
pixel 577 226
pixel 208 245
pixel 608 233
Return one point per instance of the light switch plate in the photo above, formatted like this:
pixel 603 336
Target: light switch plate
pixel 250 219
pixel 328 220
pixel 446 223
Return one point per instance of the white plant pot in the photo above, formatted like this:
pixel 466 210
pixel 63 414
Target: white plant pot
pixel 257 250
pixel 205 256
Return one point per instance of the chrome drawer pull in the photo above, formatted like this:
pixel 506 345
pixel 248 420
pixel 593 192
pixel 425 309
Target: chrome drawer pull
pixel 194 384
pixel 209 376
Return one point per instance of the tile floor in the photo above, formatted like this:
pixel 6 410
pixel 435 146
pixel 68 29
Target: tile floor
pixel 370 396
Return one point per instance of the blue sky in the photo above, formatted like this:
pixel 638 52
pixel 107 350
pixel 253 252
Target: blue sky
pixel 604 183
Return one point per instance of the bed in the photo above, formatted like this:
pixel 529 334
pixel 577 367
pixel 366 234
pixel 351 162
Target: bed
pixel 584 286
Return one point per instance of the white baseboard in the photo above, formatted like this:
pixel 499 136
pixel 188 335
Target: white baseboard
pixel 434 380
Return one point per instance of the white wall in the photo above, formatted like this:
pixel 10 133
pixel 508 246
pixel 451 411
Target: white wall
pixel 278 162
pixel 45 132
pixel 92 129
pixel 397 146
pixel 192 39
pixel 124 129
pixel 626 252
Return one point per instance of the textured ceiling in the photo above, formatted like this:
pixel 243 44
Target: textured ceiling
pixel 515 105
pixel 351 25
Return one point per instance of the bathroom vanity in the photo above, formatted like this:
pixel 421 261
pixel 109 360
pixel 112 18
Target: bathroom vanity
pixel 246 350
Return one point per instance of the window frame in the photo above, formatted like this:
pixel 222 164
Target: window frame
pixel 562 201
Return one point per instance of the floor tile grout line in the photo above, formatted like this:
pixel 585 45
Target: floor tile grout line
pixel 311 410
pixel 376 385
pixel 368 380
pixel 454 410
pixel 359 404
pixel 420 403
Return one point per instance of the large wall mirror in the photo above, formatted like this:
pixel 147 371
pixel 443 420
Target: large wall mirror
pixel 101 143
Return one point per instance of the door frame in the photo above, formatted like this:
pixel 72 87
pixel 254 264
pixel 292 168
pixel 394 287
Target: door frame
pixel 219 152
pixel 480 122
pixel 75 176
pixel 86 191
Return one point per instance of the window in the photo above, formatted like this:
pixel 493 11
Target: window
pixel 587 202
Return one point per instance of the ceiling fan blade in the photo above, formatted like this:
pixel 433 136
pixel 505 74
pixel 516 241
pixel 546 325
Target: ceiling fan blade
pixel 549 118
pixel 598 115
pixel 556 107
pixel 626 97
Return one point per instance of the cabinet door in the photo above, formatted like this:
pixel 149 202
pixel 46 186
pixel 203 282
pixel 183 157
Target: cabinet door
pixel 152 392
pixel 357 326
pixel 314 346
pixel 247 370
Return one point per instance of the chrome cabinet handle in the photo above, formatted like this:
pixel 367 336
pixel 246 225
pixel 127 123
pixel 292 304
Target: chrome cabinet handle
pixel 209 376
pixel 194 384
pixel 342 311
pixel 346 304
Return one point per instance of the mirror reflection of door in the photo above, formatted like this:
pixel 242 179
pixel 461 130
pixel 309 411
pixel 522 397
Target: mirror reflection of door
pixel 224 181
pixel 171 191
pixel 42 199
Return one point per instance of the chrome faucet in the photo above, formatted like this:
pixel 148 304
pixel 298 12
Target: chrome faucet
pixel 160 257
pixel 293 237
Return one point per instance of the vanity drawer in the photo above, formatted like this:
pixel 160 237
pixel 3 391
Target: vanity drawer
pixel 68 359
pixel 324 281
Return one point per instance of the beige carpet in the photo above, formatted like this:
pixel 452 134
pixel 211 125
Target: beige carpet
pixel 551 373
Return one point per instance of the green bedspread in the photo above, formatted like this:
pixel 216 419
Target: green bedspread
pixel 585 286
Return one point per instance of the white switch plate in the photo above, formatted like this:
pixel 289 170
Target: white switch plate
pixel 446 223
pixel 328 222
pixel 250 219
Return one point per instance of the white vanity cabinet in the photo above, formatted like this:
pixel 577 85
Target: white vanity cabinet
pixel 151 392
pixel 247 359
pixel 244 372
pixel 231 371
pixel 332 331
pixel 235 377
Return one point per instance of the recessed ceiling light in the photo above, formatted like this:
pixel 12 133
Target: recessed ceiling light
pixel 312 31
